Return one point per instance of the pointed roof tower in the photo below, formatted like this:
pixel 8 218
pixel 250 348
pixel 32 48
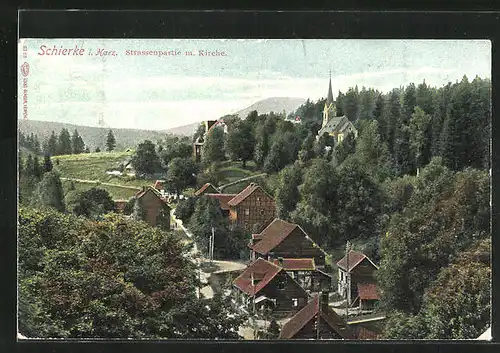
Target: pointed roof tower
pixel 329 99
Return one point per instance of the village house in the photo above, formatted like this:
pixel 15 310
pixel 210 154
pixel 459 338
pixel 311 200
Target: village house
pixel 304 271
pixel 207 188
pixel 317 321
pixel 154 206
pixel 333 125
pixel 286 240
pixel 359 277
pixel 251 209
pixel 223 202
pixel 265 285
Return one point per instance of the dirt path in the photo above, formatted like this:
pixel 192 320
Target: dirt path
pixel 241 181
pixel 98 182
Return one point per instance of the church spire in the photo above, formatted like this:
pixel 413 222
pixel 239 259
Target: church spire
pixel 329 99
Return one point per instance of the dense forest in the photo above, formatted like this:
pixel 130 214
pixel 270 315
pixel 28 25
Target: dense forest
pixel 411 191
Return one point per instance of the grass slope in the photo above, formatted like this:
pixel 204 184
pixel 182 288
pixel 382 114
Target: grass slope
pixel 93 166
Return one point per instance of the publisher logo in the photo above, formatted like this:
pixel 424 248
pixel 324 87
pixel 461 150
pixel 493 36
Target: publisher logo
pixel 25 69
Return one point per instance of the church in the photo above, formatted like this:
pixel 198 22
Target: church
pixel 333 125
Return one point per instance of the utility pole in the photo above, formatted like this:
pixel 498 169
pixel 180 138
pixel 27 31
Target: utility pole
pixel 318 314
pixel 212 246
pixel 253 307
pixel 348 279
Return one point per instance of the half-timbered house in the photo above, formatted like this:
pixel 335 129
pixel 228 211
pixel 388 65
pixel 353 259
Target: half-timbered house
pixel 359 277
pixel 265 285
pixel 286 240
pixel 316 321
pixel 252 208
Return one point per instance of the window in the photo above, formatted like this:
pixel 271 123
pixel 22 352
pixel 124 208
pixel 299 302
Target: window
pixel 281 285
pixel 262 211
pixel 247 211
pixel 295 302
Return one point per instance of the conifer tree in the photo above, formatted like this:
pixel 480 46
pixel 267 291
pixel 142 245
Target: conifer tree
pixel 77 143
pixel 52 144
pixel 408 104
pixel 64 142
pixel 47 164
pixel 110 141
pixel 37 169
pixel 29 169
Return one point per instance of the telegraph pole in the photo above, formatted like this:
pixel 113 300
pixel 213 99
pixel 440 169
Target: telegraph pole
pixel 212 245
pixel 348 279
pixel 253 308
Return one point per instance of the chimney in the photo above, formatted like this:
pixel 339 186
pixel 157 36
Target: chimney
pixel 280 261
pixel 324 297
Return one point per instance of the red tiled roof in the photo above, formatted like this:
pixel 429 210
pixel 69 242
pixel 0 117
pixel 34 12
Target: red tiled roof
pixel 244 194
pixel 222 198
pixel 158 185
pixel 365 334
pixel 307 313
pixel 203 188
pixel 261 269
pixel 273 235
pixel 296 264
pixel 367 291
pixel 355 259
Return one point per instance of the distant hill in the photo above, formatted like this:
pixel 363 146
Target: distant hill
pixel 275 104
pixel 126 138
pixel 92 136
pixel 184 130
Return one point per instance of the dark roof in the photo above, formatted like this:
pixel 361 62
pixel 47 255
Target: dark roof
pixel 296 264
pixel 367 291
pixel 204 188
pixel 250 189
pixel 329 98
pixel 307 313
pixel 222 198
pixel 262 270
pixel 355 259
pixel 158 185
pixel 273 235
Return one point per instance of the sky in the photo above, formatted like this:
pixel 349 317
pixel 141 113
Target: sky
pixel 159 92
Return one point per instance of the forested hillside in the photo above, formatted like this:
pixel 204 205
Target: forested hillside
pixel 411 191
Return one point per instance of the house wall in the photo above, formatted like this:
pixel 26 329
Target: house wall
pixel 363 273
pixel 152 205
pixel 296 245
pixel 284 297
pixel 256 209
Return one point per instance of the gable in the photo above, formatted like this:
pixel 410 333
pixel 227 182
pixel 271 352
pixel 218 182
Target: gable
pixel 298 244
pixel 150 198
pixel 257 198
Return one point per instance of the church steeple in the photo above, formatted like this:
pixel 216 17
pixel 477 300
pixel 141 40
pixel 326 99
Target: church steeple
pixel 329 111
pixel 329 99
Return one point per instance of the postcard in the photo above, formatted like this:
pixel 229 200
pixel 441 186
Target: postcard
pixel 244 189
